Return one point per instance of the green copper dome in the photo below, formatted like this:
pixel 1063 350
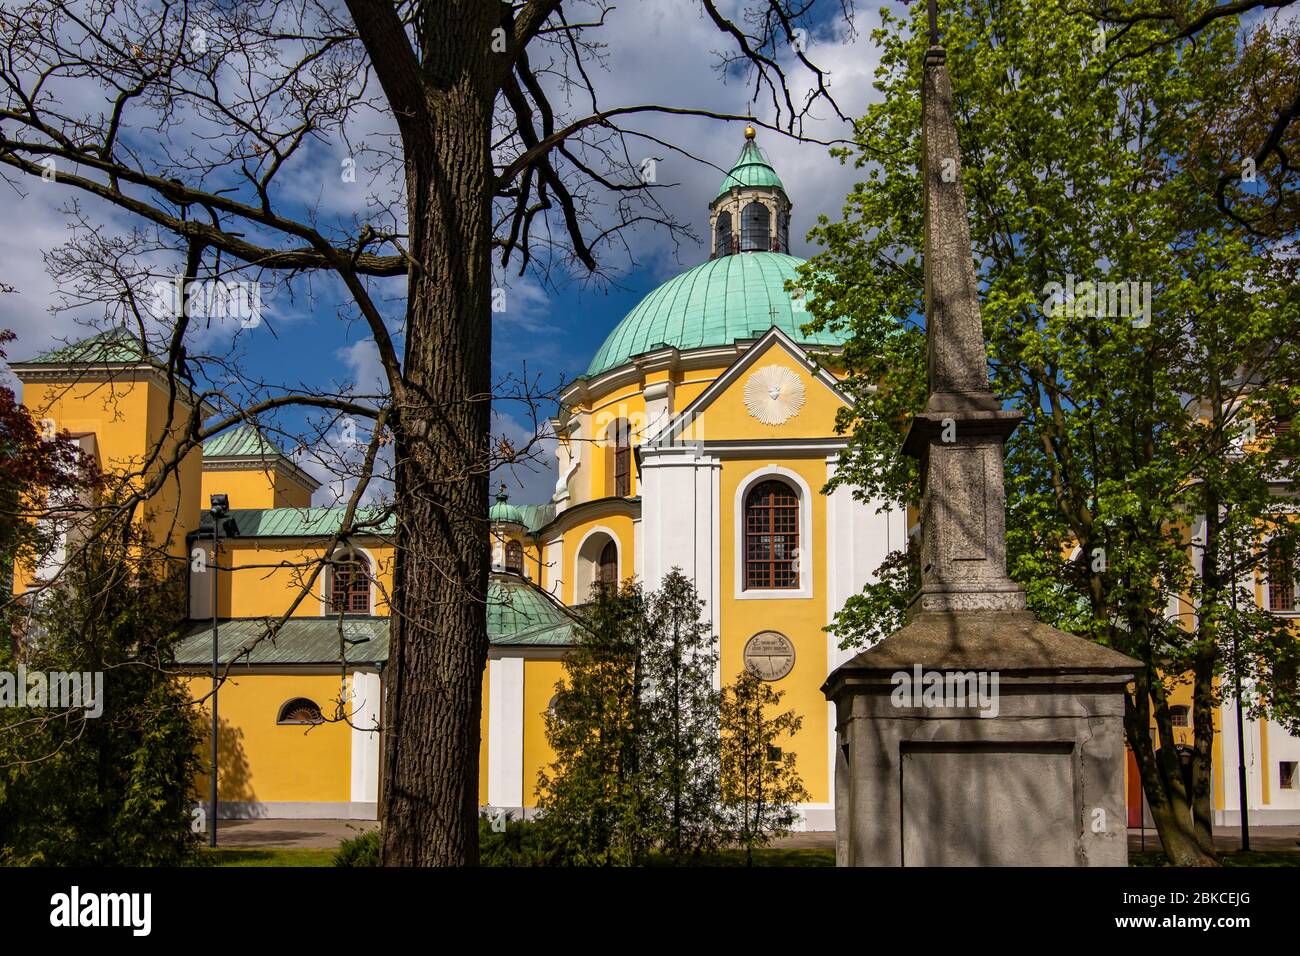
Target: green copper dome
pixel 716 303
pixel 750 169
pixel 503 510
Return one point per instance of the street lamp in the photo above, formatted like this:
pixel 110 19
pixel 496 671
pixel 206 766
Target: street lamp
pixel 219 511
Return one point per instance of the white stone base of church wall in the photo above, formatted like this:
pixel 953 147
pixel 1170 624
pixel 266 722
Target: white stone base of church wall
pixel 256 810
pixel 1259 817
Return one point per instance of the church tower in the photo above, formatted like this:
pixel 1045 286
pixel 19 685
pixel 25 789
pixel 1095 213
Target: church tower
pixel 751 212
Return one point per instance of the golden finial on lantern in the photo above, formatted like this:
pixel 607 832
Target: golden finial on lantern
pixel 750 132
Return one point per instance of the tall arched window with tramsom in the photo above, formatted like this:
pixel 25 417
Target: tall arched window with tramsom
pixel 515 557
pixel 607 570
pixel 349 583
pixel 771 536
pixel 722 238
pixel 1281 573
pixel 755 228
pixel 619 438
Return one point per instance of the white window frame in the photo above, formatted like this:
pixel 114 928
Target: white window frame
pixel 805 559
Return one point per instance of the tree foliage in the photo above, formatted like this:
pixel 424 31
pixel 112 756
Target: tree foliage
pixel 114 789
pixel 760 783
pixel 1149 458
pixel 595 794
pixel 635 731
pixel 680 660
pixel 41 472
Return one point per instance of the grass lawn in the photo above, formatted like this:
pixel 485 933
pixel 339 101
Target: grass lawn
pixel 295 857
pixel 771 856
pixel 1229 858
pixel 269 857
pixel 762 857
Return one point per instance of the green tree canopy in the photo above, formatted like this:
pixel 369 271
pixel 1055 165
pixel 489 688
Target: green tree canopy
pixel 1148 339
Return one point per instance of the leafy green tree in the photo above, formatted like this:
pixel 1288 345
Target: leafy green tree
pixel 760 783
pixel 596 794
pixel 681 720
pixel 635 731
pixel 115 788
pixel 1149 453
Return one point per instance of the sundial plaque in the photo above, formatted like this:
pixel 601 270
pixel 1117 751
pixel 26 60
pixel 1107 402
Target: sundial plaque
pixel 769 655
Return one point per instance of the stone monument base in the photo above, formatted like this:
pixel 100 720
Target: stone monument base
pixel 980 738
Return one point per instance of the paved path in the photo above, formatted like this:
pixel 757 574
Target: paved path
pixel 326 834
pixel 294 834
pixel 1225 838
pixel 1272 839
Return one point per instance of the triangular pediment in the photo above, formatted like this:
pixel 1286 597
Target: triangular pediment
pixel 774 390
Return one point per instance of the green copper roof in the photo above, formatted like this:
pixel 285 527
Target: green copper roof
pixel 114 347
pixel 301 640
pixel 536 516
pixel 531 517
pixel 300 522
pixel 242 441
pixel 732 297
pixel 503 510
pixel 520 613
pixel 750 169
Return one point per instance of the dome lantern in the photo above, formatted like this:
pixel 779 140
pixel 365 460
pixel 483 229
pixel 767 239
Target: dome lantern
pixel 751 211
pixel 504 511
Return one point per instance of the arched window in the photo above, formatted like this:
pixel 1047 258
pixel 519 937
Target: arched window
pixel 782 231
pixel 607 572
pixel 1281 574
pixel 1178 716
pixel 300 710
pixel 350 584
pixel 722 240
pixel 515 557
pixel 754 223
pixel 622 464
pixel 771 536
pixel 596 564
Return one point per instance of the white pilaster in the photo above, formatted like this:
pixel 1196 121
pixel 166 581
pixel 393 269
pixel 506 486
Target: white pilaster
pixel 679 517
pixel 658 408
pixel 553 556
pixel 858 539
pixel 366 706
pixel 506 732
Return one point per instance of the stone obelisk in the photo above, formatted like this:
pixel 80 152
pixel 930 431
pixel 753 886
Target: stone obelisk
pixel 975 734
pixel 959 436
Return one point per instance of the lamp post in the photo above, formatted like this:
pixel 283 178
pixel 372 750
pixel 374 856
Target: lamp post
pixel 218 510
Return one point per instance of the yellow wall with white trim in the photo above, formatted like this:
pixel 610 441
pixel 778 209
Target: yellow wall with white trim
pixel 799 619
pixel 262 761
pixel 263 576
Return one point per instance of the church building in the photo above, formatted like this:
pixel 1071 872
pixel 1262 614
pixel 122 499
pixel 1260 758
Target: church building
pixel 701 437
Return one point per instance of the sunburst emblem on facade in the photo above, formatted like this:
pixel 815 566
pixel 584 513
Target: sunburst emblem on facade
pixel 773 394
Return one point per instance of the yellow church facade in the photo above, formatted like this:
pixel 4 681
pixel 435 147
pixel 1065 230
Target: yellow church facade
pixel 701 437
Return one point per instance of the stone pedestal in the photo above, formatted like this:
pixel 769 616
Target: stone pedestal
pixel 980 738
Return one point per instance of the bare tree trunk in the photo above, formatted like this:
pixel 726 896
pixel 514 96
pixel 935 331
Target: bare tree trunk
pixel 439 626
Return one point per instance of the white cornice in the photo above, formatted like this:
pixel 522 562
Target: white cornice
pixel 585 390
